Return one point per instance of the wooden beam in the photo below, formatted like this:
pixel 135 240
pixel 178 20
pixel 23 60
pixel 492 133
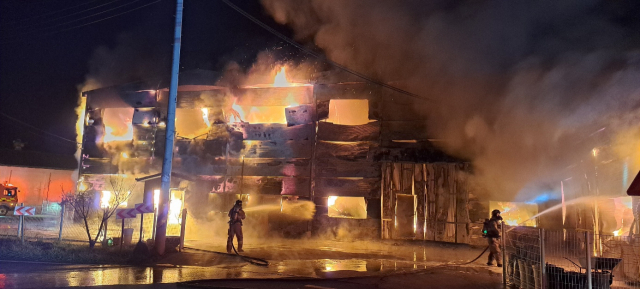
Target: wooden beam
pixel 274 132
pixel 404 130
pixel 334 167
pixel 347 151
pixel 301 114
pixel 296 186
pixel 273 149
pixel 335 132
pixel 269 167
pixel 368 188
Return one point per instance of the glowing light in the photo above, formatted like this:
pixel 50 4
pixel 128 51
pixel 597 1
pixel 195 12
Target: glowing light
pixel 105 199
pixel 617 232
pixel 125 155
pixel 281 79
pixel 82 186
pixel 110 133
pixel 347 207
pixel 331 201
pixel 237 113
pixel 205 116
pixel 156 198
pixel 175 208
pixel 515 214
pixel 162 123
pixel 511 222
pixel 595 152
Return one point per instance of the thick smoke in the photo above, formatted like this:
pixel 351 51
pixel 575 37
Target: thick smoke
pixel 512 85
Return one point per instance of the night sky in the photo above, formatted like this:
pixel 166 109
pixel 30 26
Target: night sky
pixel 46 48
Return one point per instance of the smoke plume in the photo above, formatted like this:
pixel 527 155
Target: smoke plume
pixel 514 86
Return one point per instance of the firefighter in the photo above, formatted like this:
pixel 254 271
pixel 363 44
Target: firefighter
pixel 236 215
pixel 493 237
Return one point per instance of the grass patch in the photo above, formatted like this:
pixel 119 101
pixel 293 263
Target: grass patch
pixel 62 252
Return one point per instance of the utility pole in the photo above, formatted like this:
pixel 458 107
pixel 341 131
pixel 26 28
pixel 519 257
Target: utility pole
pixel 163 206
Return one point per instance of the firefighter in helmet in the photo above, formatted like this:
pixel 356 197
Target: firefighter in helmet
pixel 236 215
pixel 493 237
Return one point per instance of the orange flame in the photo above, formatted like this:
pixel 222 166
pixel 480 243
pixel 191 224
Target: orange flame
pixel 110 133
pixel 266 114
pixel 117 124
pixel 281 79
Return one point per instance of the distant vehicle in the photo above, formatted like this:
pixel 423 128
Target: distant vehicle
pixel 8 198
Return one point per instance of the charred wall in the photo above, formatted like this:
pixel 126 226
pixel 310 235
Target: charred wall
pixel 309 155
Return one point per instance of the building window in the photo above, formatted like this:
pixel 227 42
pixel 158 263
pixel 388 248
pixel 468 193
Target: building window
pixel 349 111
pixel 191 123
pixel 347 207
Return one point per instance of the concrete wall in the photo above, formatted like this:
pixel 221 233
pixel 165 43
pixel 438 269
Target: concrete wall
pixel 33 183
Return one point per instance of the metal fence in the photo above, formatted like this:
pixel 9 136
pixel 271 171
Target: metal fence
pixel 52 222
pixel 536 258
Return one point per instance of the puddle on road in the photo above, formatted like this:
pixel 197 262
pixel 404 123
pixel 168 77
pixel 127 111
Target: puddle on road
pixel 64 276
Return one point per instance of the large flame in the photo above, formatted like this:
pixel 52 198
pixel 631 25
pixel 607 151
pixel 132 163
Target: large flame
pixel 281 79
pixel 205 116
pixel 117 124
pixel 515 213
pixel 257 114
pixel 112 134
pixel 267 114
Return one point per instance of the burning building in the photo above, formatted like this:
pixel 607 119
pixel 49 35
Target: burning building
pixel 358 151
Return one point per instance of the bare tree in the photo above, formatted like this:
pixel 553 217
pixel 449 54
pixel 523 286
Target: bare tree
pixel 84 204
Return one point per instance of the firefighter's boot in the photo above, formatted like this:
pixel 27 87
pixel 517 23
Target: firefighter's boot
pixel 229 247
pixel 240 247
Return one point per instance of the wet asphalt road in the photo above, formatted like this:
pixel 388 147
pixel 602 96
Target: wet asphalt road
pixel 23 275
pixel 376 265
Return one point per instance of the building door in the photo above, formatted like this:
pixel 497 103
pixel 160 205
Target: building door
pixel 405 217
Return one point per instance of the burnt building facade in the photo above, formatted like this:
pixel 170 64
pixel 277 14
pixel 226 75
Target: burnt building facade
pixel 358 151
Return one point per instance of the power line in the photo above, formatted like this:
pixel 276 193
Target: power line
pixel 318 55
pixel 50 13
pixel 85 17
pixel 40 130
pixel 78 26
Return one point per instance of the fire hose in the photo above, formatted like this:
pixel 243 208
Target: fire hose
pixel 483 251
pixel 253 260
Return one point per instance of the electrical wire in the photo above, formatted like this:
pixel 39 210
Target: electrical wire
pixel 86 24
pixel 35 128
pixel 85 17
pixel 318 55
pixel 46 14
pixel 62 17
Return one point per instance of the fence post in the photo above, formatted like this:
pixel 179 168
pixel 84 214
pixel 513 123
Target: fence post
pixel 505 263
pixel 182 228
pixel 588 255
pixel 61 221
pixel 20 225
pixel 141 227
pixel 155 220
pixel 22 229
pixel 543 265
